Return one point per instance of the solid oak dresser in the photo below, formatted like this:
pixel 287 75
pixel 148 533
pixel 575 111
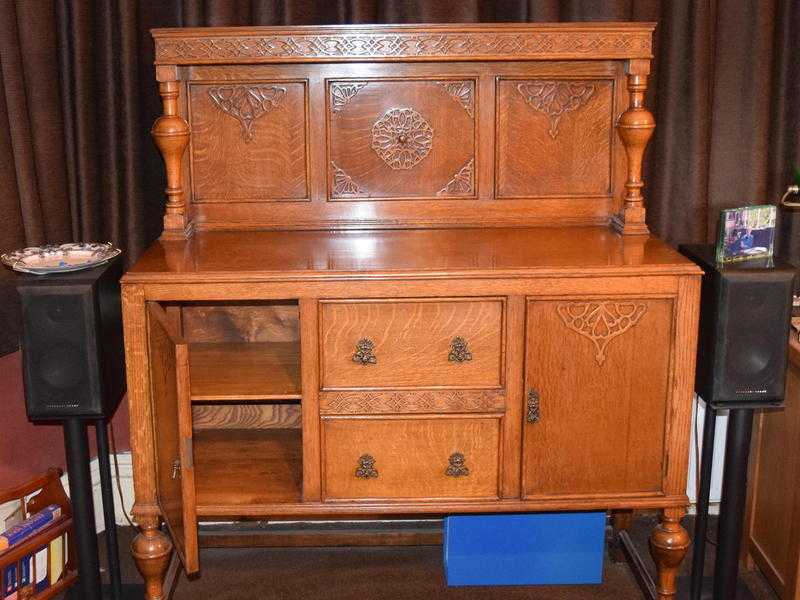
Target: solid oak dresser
pixel 405 270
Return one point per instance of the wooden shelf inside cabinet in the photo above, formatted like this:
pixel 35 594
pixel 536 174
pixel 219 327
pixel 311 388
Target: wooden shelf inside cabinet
pixel 247 466
pixel 239 371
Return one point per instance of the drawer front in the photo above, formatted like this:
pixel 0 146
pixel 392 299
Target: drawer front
pixel 371 458
pixel 376 344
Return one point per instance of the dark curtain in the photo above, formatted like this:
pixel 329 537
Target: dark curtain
pixel 78 98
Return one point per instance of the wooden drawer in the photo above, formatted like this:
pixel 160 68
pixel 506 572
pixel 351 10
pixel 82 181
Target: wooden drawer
pixel 397 344
pixel 374 458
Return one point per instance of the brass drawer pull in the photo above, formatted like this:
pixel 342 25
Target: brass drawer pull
pixel 457 468
pixel 533 407
pixel 459 352
pixel 366 467
pixel 364 353
pixel 176 469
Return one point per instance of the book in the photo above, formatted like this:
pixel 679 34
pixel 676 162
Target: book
pixel 29 526
pixel 40 566
pixel 24 586
pixel 57 553
pixel 746 233
pixel 10 582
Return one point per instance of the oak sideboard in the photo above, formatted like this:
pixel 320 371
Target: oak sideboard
pixel 405 270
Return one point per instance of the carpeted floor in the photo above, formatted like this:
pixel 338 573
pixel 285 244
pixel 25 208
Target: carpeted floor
pixel 386 573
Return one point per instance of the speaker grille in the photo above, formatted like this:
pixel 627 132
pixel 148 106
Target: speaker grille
pixel 751 336
pixel 57 360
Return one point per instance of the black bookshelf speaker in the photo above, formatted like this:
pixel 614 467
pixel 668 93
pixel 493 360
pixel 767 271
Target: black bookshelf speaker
pixel 72 350
pixel 745 314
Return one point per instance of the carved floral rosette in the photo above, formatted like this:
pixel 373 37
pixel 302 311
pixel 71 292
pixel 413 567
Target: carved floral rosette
pixel 402 138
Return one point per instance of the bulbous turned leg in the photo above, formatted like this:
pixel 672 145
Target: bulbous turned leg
pixel 668 545
pixel 151 549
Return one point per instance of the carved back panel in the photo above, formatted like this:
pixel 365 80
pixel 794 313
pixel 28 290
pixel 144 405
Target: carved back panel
pixel 400 126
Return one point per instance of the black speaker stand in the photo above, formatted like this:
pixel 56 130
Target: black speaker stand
pixel 88 585
pixel 734 495
pixel 726 584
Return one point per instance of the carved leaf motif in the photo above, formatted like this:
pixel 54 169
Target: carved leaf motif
pixel 461 92
pixel 246 103
pixel 402 137
pixel 462 182
pixel 342 93
pixel 343 184
pixel 554 98
pixel 600 322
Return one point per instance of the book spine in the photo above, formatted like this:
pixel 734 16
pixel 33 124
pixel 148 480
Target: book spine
pixel 57 554
pixel 29 526
pixel 10 582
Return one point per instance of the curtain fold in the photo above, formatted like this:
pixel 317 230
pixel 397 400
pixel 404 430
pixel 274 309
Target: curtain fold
pixel 79 96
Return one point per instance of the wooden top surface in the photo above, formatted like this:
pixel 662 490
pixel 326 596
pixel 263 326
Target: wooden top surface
pixel 405 254
pixel 487 41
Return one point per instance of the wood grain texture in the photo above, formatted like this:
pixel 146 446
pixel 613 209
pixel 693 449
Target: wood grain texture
pixel 228 165
pixel 276 321
pixel 635 127
pixel 275 534
pixel 169 372
pixel 309 369
pixel 366 256
pixel 511 465
pixel 772 535
pixel 321 161
pixel 439 190
pixel 237 371
pixel 137 371
pixel 416 506
pixel 679 411
pixel 553 140
pixel 401 139
pixel 171 134
pixel 422 401
pixel 406 473
pixel 387 42
pixel 412 343
pixel 245 466
pixel 246 416
pixel 618 407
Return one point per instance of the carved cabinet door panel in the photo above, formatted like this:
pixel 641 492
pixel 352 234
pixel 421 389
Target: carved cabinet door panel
pixel 597 377
pixel 172 414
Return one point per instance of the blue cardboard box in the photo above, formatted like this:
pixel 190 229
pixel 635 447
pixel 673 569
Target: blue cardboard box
pixel 524 549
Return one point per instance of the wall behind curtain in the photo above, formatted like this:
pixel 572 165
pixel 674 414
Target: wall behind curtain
pixel 78 98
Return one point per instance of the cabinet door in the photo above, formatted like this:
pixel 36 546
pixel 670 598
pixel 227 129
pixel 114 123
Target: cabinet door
pixel 597 374
pixel 172 416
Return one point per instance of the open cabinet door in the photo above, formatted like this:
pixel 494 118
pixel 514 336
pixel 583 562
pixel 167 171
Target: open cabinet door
pixel 172 419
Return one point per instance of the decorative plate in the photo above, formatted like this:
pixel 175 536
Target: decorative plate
pixel 41 260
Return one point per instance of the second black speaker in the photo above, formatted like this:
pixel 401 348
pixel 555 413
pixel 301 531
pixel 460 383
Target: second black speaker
pixel 745 314
pixel 72 348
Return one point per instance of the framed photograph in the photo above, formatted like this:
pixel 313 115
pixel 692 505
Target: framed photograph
pixel 745 233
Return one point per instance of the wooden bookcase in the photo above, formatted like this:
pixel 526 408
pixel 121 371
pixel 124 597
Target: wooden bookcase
pixel 406 270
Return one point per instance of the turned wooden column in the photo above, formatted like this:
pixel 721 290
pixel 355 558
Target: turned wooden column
pixel 151 549
pixel 635 127
pixel 171 135
pixel 669 543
